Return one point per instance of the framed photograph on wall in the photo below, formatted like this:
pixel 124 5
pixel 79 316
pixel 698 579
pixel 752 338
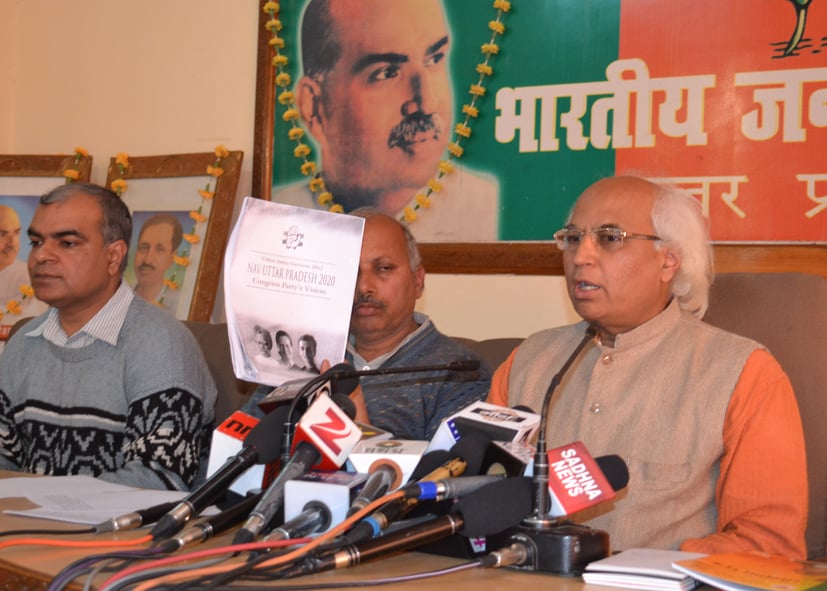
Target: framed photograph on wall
pixel 602 99
pixel 181 220
pixel 23 179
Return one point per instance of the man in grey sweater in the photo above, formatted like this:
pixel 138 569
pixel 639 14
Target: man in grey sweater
pixel 103 383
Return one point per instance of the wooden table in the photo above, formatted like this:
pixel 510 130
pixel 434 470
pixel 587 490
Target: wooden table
pixel 31 568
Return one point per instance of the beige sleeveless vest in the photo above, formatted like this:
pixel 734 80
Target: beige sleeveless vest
pixel 657 399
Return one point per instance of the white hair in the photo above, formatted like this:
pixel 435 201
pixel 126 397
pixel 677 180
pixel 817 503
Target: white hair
pixel 678 220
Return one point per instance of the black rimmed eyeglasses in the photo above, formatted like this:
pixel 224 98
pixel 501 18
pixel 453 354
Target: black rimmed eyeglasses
pixel 607 237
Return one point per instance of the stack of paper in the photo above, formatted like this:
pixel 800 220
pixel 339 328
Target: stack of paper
pixel 642 568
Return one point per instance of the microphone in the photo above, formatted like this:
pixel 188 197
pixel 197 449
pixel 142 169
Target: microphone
pixel 383 478
pixel 540 543
pixel 577 481
pixel 342 371
pixel 215 524
pixel 259 447
pixel 135 519
pixel 465 458
pixel 471 516
pixel 325 436
pixel 498 423
pixel 314 518
pixel 392 459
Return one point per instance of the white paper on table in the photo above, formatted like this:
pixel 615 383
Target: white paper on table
pixel 81 499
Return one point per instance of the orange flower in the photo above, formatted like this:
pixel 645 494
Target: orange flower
pixel 72 174
pixel 301 151
pixel 423 200
pixel 215 171
pixel 295 133
pixel 455 149
pixel 290 115
pixel 192 238
pixel 477 90
pixel 462 130
pixel 13 306
pixel 283 79
pixel 279 60
pixel 27 291
pixel 206 194
pixel 81 152
pixel 336 208
pixel 276 42
pixel 221 151
pixel 181 261
pixel 308 168
pixel 503 5
pixel 316 184
pixel 325 198
pixel 490 48
pixel 497 27
pixel 270 7
pixel 410 214
pixel 445 167
pixel 470 111
pixel 197 217
pixel 118 185
pixel 171 284
pixel 434 185
pixel 273 24
pixel 122 159
pixel 287 98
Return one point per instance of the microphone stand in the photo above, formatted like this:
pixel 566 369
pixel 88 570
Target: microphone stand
pixel 563 549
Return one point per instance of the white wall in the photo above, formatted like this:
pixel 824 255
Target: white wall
pixel 168 76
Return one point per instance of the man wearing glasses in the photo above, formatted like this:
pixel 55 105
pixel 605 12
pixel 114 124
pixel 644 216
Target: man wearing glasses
pixel 706 420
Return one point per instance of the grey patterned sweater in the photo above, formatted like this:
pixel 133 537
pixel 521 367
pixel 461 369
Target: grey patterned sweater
pixel 139 413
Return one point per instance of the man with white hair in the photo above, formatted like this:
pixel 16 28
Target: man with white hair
pixel 706 420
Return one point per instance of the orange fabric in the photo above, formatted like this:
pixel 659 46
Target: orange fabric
pixel 761 491
pixel 498 394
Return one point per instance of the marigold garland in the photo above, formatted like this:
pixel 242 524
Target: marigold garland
pixel 180 259
pixel 15 307
pixel 302 151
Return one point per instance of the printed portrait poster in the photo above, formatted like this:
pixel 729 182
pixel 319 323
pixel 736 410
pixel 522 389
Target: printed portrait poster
pixel 727 100
pixel 157 237
pixel 16 299
pixel 289 278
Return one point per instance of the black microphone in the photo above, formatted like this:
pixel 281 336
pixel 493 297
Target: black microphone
pixel 466 458
pixel 314 517
pixel 261 446
pixel 381 479
pixel 472 515
pixel 135 518
pixel 329 451
pixel 343 372
pixel 541 543
pixel 315 386
pixel 214 524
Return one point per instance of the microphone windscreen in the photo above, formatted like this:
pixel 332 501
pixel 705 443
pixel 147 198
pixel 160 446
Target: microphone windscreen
pixel 429 462
pixel 471 448
pixel 345 385
pixel 615 470
pixel 495 507
pixel 266 435
pixel 344 402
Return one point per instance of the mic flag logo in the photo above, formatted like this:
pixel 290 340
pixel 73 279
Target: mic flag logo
pixel 575 480
pixel 330 430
